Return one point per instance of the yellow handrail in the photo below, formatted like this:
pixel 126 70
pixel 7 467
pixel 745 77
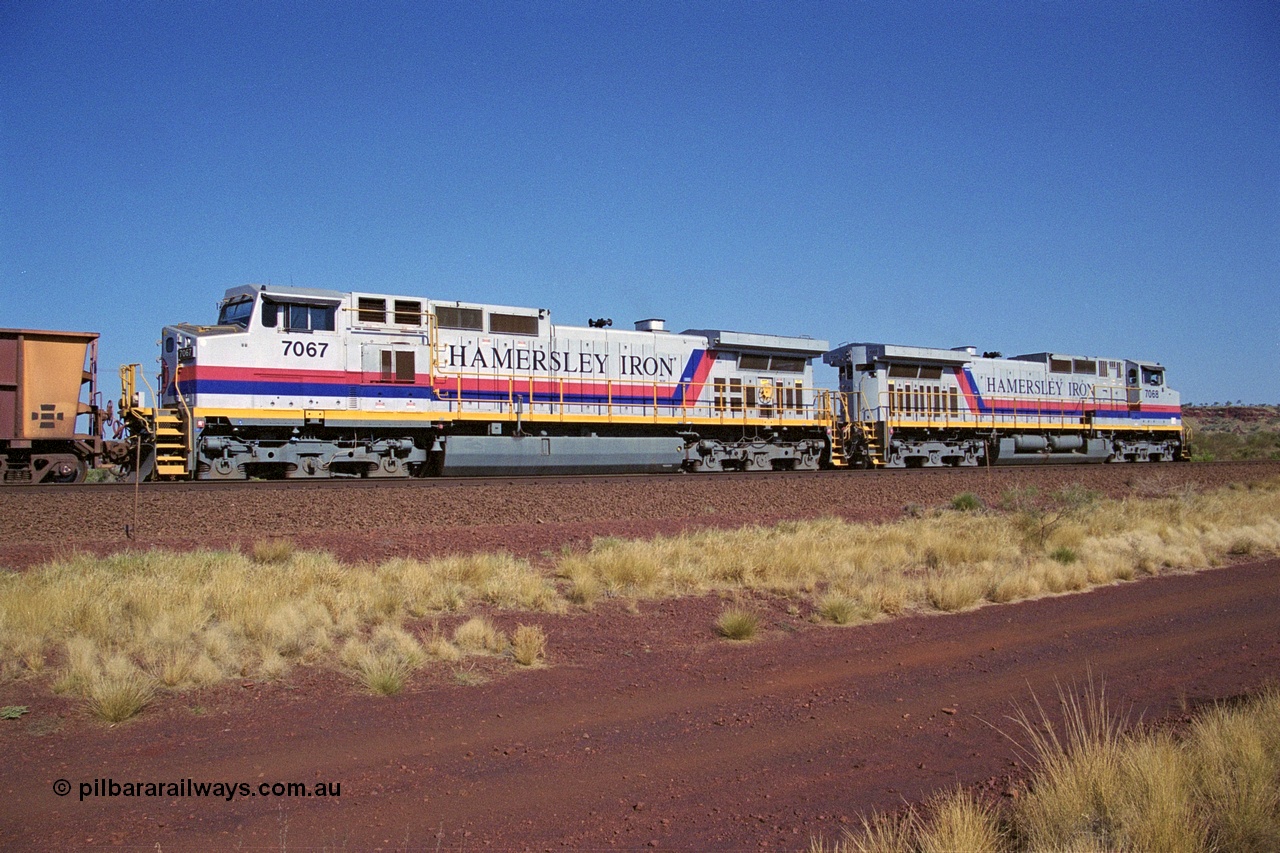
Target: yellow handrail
pixel 644 398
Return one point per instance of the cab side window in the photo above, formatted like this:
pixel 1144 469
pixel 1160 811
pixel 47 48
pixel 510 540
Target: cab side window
pixel 298 317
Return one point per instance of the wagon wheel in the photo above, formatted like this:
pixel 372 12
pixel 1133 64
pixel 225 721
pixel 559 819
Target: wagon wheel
pixel 61 469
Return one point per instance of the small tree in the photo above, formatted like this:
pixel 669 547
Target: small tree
pixel 1037 516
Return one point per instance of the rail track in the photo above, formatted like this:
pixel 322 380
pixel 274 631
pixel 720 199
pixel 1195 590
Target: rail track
pixel 1023 472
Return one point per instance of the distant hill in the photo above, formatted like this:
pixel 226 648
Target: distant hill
pixel 1233 432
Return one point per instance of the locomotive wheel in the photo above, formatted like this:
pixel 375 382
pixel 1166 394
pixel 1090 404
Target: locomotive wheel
pixel 59 469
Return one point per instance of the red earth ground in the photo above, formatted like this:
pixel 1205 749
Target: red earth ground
pixel 646 731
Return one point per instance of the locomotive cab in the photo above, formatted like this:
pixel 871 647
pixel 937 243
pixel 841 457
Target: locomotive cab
pixel 180 343
pixel 1148 395
pixel 255 325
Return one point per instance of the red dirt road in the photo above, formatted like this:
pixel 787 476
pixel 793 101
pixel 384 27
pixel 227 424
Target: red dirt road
pixel 659 738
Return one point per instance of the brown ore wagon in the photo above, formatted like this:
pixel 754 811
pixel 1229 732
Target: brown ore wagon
pixel 50 419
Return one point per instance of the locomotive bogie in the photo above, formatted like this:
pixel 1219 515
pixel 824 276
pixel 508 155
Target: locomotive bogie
pixel 307 457
pixel 774 453
pixel 935 452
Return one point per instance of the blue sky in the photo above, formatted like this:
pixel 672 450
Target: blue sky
pixel 1094 178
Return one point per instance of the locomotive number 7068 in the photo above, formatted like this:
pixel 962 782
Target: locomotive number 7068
pixel 308 349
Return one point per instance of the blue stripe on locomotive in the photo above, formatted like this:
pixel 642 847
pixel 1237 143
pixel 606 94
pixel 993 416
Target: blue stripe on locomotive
pixel 285 388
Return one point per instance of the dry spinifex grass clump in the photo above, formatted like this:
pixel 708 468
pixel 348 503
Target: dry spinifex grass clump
pixel 191 619
pixel 1096 787
pixel 1215 788
pixel 737 623
pixel 385 661
pixel 529 645
pixel 478 636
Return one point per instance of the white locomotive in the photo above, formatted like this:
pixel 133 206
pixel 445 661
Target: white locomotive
pixel 905 406
pixel 301 383
pixel 296 383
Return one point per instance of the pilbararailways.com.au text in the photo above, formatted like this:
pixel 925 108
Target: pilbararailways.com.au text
pixel 191 788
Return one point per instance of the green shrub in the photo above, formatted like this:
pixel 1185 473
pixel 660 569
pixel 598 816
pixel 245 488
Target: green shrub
pixel 737 624
pixel 838 608
pixel 966 502
pixel 1064 555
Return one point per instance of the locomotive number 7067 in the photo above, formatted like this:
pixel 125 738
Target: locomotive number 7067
pixel 309 349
